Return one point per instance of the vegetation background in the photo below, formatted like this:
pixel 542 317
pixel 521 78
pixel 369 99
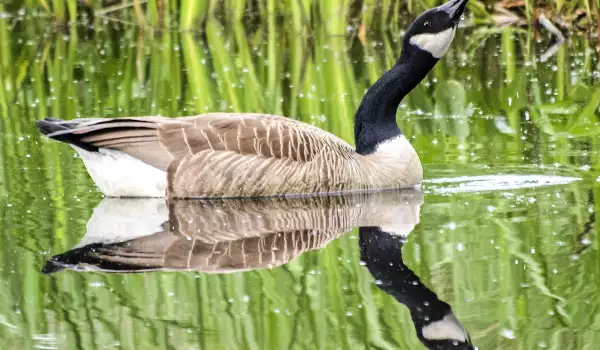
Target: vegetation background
pixel 520 268
pixel 337 15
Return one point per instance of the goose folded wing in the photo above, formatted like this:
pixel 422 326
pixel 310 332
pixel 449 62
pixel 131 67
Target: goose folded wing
pixel 160 140
pixel 229 155
pixel 259 135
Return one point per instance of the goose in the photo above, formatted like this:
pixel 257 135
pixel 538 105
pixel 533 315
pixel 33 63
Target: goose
pixel 436 325
pixel 259 155
pixel 226 235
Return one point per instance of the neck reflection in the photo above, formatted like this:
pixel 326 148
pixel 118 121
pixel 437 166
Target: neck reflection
pixel 435 324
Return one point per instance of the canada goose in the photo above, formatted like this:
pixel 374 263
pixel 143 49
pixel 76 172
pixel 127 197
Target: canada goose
pixel 254 155
pixel 435 324
pixel 221 236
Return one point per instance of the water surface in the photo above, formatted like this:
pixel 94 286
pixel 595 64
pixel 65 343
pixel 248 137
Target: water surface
pixel 503 232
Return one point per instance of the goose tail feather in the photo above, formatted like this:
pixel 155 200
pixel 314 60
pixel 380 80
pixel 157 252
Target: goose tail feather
pixel 62 130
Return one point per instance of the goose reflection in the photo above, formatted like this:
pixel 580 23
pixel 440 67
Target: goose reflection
pixel 225 236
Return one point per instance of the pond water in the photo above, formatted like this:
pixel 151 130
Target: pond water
pixel 500 245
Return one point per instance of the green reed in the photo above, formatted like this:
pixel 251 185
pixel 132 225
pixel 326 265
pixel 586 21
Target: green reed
pixel 337 14
pixel 549 115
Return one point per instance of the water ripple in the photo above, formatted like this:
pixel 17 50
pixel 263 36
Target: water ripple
pixel 499 182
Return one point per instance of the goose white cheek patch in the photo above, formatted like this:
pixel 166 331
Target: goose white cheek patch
pixel 435 43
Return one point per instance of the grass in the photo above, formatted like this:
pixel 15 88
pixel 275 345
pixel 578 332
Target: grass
pixel 336 15
pixel 489 107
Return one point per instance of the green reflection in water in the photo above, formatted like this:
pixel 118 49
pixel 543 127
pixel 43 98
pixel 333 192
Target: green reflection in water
pixel 518 266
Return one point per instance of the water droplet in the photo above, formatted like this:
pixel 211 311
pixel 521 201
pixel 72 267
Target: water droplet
pixel 508 333
pixel 575 257
pixel 451 226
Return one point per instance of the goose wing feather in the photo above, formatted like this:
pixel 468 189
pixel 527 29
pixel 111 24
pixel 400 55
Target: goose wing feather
pixel 261 135
pixel 224 154
pixel 229 155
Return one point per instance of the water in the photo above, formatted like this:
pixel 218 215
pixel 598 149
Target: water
pixel 503 231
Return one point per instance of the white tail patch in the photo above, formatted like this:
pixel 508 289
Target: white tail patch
pixel 118 174
pixel 448 328
pixel 437 44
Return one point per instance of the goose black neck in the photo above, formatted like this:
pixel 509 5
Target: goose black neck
pixel 375 119
pixel 382 253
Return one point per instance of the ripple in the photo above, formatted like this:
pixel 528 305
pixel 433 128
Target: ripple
pixel 500 182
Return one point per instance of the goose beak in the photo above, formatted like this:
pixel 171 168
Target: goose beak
pixel 454 8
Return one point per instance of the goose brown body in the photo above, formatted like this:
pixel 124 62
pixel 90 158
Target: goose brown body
pixel 243 155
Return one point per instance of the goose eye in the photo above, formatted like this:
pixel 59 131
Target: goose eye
pixel 427 24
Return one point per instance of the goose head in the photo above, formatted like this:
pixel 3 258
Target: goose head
pixel 433 31
pixel 425 42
